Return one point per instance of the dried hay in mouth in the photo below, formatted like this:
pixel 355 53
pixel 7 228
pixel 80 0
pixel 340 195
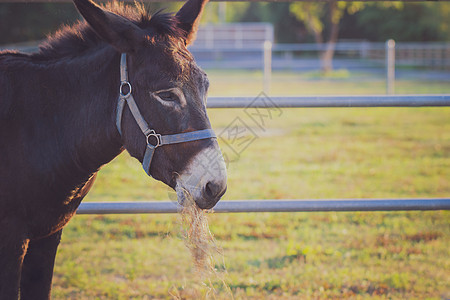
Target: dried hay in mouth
pixel 201 244
pixel 197 236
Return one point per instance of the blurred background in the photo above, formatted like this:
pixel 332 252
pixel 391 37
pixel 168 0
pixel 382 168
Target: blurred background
pixel 308 41
pixel 285 49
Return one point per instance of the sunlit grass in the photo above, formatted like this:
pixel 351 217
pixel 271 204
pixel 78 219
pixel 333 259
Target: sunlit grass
pixel 250 83
pixel 300 154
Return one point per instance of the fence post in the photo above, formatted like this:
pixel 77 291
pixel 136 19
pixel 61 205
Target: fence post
pixel 222 12
pixel 390 66
pixel 267 66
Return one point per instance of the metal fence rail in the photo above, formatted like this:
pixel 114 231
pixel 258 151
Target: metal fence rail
pixel 331 101
pixel 270 206
pixel 295 205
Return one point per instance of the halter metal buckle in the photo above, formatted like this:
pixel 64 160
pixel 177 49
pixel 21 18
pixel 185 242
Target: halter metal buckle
pixel 156 137
pixel 122 84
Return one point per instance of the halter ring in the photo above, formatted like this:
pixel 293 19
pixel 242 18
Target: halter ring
pixel 125 83
pixel 157 138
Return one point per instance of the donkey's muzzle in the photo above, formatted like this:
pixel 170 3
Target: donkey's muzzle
pixel 204 179
pixel 212 193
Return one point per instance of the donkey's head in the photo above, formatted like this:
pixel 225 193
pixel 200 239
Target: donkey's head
pixel 170 91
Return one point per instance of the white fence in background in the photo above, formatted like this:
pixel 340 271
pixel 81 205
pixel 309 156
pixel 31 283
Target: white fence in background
pixel 233 36
pixel 429 54
pixel 356 56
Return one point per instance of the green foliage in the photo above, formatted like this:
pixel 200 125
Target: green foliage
pixel 362 20
pixel 20 22
pixel 318 15
pixel 235 11
pixel 311 14
pixel 414 22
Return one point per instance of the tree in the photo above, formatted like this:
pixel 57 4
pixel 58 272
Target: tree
pixel 20 22
pixel 419 21
pixel 315 15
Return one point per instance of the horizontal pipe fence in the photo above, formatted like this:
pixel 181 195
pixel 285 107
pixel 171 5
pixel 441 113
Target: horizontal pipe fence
pixel 296 205
pixel 239 206
pixel 331 101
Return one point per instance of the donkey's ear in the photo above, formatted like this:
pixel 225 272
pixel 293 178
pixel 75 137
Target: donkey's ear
pixel 189 17
pixel 116 30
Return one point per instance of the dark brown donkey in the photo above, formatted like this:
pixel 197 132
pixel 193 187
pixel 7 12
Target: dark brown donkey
pixel 73 106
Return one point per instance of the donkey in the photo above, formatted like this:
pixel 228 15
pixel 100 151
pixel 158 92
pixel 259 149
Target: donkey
pixel 122 79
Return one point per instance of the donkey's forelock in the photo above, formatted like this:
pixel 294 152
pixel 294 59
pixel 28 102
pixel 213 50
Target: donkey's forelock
pixel 76 40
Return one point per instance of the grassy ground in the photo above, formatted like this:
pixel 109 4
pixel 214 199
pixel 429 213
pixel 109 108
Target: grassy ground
pixel 299 153
pixel 340 82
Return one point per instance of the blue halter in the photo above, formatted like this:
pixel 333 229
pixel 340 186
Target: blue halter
pixel 154 140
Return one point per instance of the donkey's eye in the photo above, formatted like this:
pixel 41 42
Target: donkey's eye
pixel 168 96
pixel 173 97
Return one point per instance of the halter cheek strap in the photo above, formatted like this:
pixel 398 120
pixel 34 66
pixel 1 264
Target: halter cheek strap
pixel 154 140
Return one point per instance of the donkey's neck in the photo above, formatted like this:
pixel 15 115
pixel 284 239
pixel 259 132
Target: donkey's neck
pixel 84 95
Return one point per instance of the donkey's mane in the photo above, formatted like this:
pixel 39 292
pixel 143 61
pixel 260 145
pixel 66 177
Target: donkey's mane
pixel 75 40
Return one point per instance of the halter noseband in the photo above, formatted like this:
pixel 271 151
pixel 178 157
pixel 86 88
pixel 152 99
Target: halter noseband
pixel 154 140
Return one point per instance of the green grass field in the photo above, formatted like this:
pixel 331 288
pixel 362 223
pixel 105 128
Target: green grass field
pixel 299 154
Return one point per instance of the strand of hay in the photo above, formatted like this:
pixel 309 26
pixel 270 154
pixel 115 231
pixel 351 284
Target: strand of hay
pixel 201 244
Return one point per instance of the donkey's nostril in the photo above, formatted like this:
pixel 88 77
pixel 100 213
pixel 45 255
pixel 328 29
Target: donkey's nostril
pixel 213 190
pixel 210 189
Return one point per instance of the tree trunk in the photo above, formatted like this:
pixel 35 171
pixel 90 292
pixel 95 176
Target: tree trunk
pixel 326 56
